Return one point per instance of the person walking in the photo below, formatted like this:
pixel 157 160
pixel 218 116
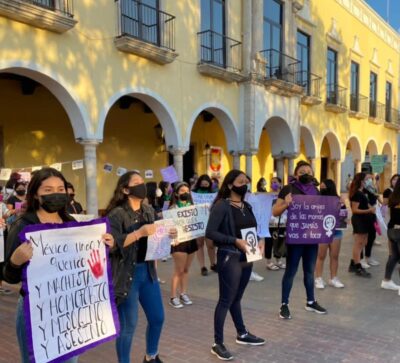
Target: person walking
pixel 303 183
pixel 229 215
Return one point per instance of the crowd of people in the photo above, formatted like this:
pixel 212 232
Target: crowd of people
pixel 136 205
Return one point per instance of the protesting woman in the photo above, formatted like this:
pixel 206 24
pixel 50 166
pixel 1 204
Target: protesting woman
pixel 230 214
pixel 182 253
pixel 328 187
pixel 135 280
pixel 46 203
pixel 303 183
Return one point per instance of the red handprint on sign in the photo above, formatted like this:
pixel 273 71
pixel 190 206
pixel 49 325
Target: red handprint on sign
pixel 95 264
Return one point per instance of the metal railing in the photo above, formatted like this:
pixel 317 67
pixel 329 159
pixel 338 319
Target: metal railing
pixel 392 115
pixel 310 82
pixel 359 103
pixel 63 6
pixel 280 66
pixel 376 110
pixel 336 95
pixel 220 50
pixel 146 23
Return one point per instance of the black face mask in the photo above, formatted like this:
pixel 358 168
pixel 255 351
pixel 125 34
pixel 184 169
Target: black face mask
pixel 55 202
pixel 324 191
pixel 184 197
pixel 240 190
pixel 204 189
pixel 138 191
pixel 71 197
pixel 20 192
pixel 306 179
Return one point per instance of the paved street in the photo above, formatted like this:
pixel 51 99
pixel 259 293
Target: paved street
pixel 362 324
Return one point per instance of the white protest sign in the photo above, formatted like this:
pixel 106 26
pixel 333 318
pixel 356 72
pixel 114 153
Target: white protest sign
pixel 82 217
pixel 262 208
pixel 149 174
pixel 121 171
pixel 253 251
pixel 191 222
pixel 77 164
pixel 36 168
pixel 5 174
pixel 2 247
pixel 159 243
pixel 68 301
pixel 203 198
pixel 25 176
pixel 57 166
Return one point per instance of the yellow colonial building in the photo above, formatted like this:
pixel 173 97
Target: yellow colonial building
pixel 206 85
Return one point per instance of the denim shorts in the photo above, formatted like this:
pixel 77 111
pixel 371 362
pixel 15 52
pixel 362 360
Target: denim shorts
pixel 338 234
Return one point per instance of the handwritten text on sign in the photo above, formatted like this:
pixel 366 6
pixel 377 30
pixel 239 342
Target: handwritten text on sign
pixel 191 222
pixel 68 304
pixel 159 243
pixel 312 219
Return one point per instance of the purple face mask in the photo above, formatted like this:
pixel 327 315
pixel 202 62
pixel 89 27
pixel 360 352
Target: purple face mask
pixel 275 186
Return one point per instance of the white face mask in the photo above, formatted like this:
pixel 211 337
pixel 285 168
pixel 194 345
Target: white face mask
pixel 158 193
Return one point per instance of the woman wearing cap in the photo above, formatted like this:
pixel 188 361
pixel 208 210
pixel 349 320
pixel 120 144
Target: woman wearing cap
pixel 182 253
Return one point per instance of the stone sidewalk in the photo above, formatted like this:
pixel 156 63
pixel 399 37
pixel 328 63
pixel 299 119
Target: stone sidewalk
pixel 362 324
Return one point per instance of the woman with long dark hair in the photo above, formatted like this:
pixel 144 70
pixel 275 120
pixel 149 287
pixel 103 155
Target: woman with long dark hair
pixel 303 183
pixel 135 280
pixel 230 214
pixel 394 244
pixel 204 186
pixel 46 203
pixel 362 218
pixel 182 253
pixel 328 187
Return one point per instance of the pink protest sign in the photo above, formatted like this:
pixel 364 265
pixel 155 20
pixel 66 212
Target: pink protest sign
pixel 169 174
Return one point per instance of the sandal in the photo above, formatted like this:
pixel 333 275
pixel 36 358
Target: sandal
pixel 281 264
pixel 271 266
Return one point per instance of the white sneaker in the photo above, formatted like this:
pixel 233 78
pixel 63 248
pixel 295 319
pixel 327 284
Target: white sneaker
pixel 364 264
pixel 373 262
pixel 280 264
pixel 335 282
pixel 389 285
pixel 256 277
pixel 185 299
pixel 175 303
pixel 319 283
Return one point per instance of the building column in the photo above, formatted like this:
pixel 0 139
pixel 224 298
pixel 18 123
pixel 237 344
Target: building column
pixel 249 162
pixel 90 162
pixel 280 167
pixel 178 160
pixel 257 29
pixel 291 158
pixel 357 164
pixel 338 178
pixel 236 160
pixel 313 163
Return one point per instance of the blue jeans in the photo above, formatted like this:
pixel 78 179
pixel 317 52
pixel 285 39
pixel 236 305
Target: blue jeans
pixel 233 275
pixel 294 253
pixel 22 338
pixel 148 293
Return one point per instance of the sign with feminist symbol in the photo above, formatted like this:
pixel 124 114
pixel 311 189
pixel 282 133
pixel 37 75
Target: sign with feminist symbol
pixel 68 298
pixel 312 219
pixel 253 251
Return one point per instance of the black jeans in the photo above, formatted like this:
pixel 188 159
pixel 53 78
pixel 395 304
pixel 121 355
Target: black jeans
pixel 370 243
pixel 393 259
pixel 233 276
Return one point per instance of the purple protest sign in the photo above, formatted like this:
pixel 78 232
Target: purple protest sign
pixel 312 219
pixel 169 174
pixel 69 304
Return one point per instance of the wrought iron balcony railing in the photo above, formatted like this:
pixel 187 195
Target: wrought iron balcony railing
pixel 336 95
pixel 359 103
pixel 63 6
pixel 310 82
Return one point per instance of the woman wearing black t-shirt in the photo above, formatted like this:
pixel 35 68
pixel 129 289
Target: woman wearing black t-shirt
pixel 302 183
pixel 230 214
pixel 362 218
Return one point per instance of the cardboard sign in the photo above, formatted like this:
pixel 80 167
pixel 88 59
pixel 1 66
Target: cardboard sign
pixel 108 168
pixel 36 168
pixel 57 166
pixel 262 210
pixel 5 174
pixel 68 295
pixel 148 174
pixel 159 244
pixel 203 198
pixel 77 164
pixel 191 222
pixel 312 219
pixel 121 171
pixel 253 251
pixel 169 174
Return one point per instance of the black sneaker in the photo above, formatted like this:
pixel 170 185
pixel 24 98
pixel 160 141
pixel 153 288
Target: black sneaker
pixel 249 339
pixel 284 313
pixel 362 272
pixel 153 360
pixel 221 352
pixel 352 267
pixel 316 308
pixel 204 271
pixel 213 268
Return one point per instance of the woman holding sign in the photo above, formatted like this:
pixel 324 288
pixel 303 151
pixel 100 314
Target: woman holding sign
pixel 230 218
pixel 303 183
pixel 182 253
pixel 134 278
pixel 46 203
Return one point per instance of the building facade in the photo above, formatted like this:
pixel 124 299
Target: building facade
pixel 206 85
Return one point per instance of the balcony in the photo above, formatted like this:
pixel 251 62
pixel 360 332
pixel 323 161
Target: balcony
pixel 376 112
pixel 279 73
pixel 358 106
pixel 392 118
pixel 54 15
pixel 311 84
pixel 336 98
pixel 220 56
pixel 146 31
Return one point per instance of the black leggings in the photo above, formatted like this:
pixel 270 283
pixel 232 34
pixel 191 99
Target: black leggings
pixel 393 259
pixel 370 243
